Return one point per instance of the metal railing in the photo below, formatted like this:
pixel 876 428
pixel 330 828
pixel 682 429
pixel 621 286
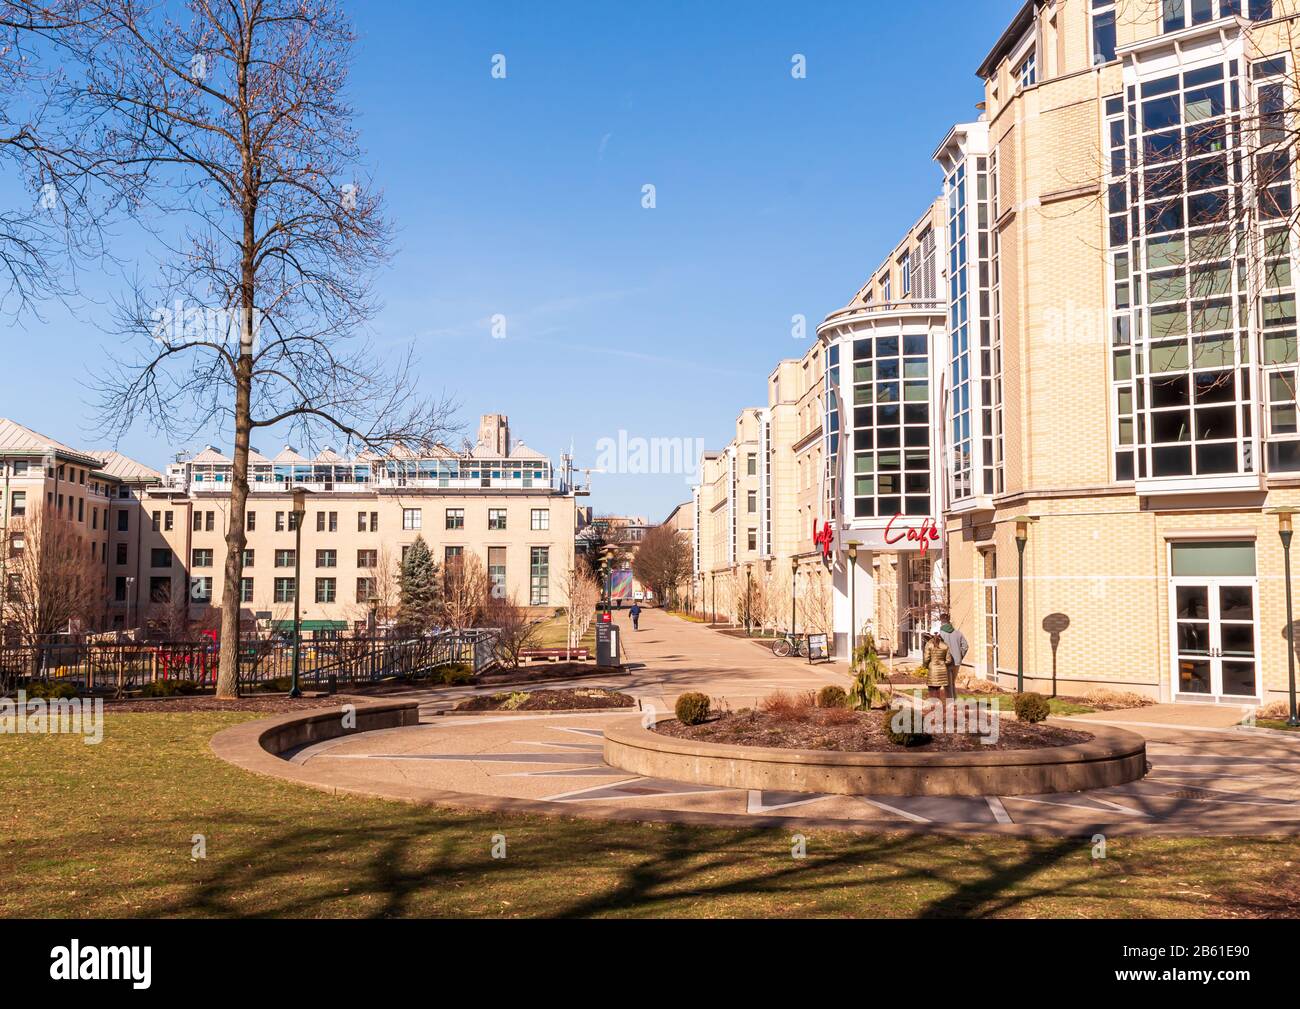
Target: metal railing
pixel 118 667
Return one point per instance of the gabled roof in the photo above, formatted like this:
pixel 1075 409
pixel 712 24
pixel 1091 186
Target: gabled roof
pixel 330 457
pixel 15 438
pixel 521 451
pixel 126 469
pixel 289 457
pixel 255 458
pixel 210 457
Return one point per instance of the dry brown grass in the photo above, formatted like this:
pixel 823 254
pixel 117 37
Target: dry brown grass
pixel 791 707
pixel 970 684
pixel 1111 700
pixel 1274 711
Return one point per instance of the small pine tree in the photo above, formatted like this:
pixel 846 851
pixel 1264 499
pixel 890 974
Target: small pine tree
pixel 420 589
pixel 865 693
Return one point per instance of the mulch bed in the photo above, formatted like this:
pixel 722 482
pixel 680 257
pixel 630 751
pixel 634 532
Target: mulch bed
pixel 542 672
pixel 550 700
pixel 264 705
pixel 841 730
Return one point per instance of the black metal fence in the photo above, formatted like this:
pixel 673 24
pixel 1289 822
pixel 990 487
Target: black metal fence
pixel 117 667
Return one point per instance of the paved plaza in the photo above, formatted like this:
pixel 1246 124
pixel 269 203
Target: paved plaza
pixel 1206 777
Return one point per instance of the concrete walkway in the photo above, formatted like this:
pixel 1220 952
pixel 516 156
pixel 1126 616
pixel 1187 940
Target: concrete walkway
pixel 1204 779
pixel 1191 716
pixel 670 655
pixel 666 658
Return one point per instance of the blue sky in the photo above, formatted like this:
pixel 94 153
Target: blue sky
pixel 522 197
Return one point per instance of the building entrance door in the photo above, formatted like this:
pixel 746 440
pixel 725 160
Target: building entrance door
pixel 920 594
pixel 1215 623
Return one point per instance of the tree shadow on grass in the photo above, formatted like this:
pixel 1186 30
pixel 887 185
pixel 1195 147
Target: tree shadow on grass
pixel 439 864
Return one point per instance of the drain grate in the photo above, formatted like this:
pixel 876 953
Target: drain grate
pixel 1191 793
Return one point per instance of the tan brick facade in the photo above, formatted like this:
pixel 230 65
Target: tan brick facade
pixel 1035 386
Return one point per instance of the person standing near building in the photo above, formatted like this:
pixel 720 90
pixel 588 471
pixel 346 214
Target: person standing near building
pixel 935 660
pixel 957 649
pixel 635 614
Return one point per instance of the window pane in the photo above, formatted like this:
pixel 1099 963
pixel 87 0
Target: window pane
pixel 1214 560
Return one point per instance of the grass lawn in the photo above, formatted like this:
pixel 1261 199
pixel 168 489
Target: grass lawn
pixel 107 831
pixel 1270 723
pixel 1007 702
pixel 555 634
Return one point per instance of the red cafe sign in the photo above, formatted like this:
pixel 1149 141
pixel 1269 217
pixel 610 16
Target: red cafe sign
pixel 925 534
pixel 824 538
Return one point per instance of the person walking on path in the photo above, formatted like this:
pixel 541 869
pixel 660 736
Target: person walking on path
pixel 635 614
pixel 935 660
pixel 957 649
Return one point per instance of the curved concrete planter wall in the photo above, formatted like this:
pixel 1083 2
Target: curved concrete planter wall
pixel 256 746
pixel 1113 757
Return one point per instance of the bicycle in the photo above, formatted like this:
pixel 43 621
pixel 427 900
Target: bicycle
pixel 789 644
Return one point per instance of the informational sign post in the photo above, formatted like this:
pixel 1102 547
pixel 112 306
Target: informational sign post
pixel 818 648
pixel 607 645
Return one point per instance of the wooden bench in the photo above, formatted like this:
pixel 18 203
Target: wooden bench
pixel 553 654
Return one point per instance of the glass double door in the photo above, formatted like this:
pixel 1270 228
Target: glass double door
pixel 1216 637
pixel 919 618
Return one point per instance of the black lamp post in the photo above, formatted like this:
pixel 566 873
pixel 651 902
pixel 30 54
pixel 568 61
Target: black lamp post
pixel 299 513
pixel 1286 531
pixel 1022 540
pixel 853 607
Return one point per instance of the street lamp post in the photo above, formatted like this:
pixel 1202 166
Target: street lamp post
pixel 299 513
pixel 1022 540
pixel 713 616
pixel 1286 531
pixel 853 606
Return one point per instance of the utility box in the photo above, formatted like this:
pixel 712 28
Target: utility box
pixel 607 645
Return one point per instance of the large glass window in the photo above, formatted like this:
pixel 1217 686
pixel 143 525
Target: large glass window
pixel 539 576
pixel 891 426
pixel 959 336
pixel 1179 14
pixel 1103 31
pixel 1182 267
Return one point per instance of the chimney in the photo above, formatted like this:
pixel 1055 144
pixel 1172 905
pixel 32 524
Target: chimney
pixel 494 433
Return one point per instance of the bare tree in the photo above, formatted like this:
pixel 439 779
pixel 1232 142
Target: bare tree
pixel 54 584
pixel 465 591
pixel 39 240
pixel 816 602
pixel 663 563
pixel 776 597
pixel 231 130
pixel 386 586
pixel 583 592
pixel 515 627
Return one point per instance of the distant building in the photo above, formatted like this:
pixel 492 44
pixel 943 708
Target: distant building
pixel 161 539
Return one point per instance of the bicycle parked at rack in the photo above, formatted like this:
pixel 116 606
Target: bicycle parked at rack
pixel 790 644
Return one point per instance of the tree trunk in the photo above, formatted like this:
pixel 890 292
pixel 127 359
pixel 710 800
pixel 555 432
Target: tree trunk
pixel 228 670
pixel 236 537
